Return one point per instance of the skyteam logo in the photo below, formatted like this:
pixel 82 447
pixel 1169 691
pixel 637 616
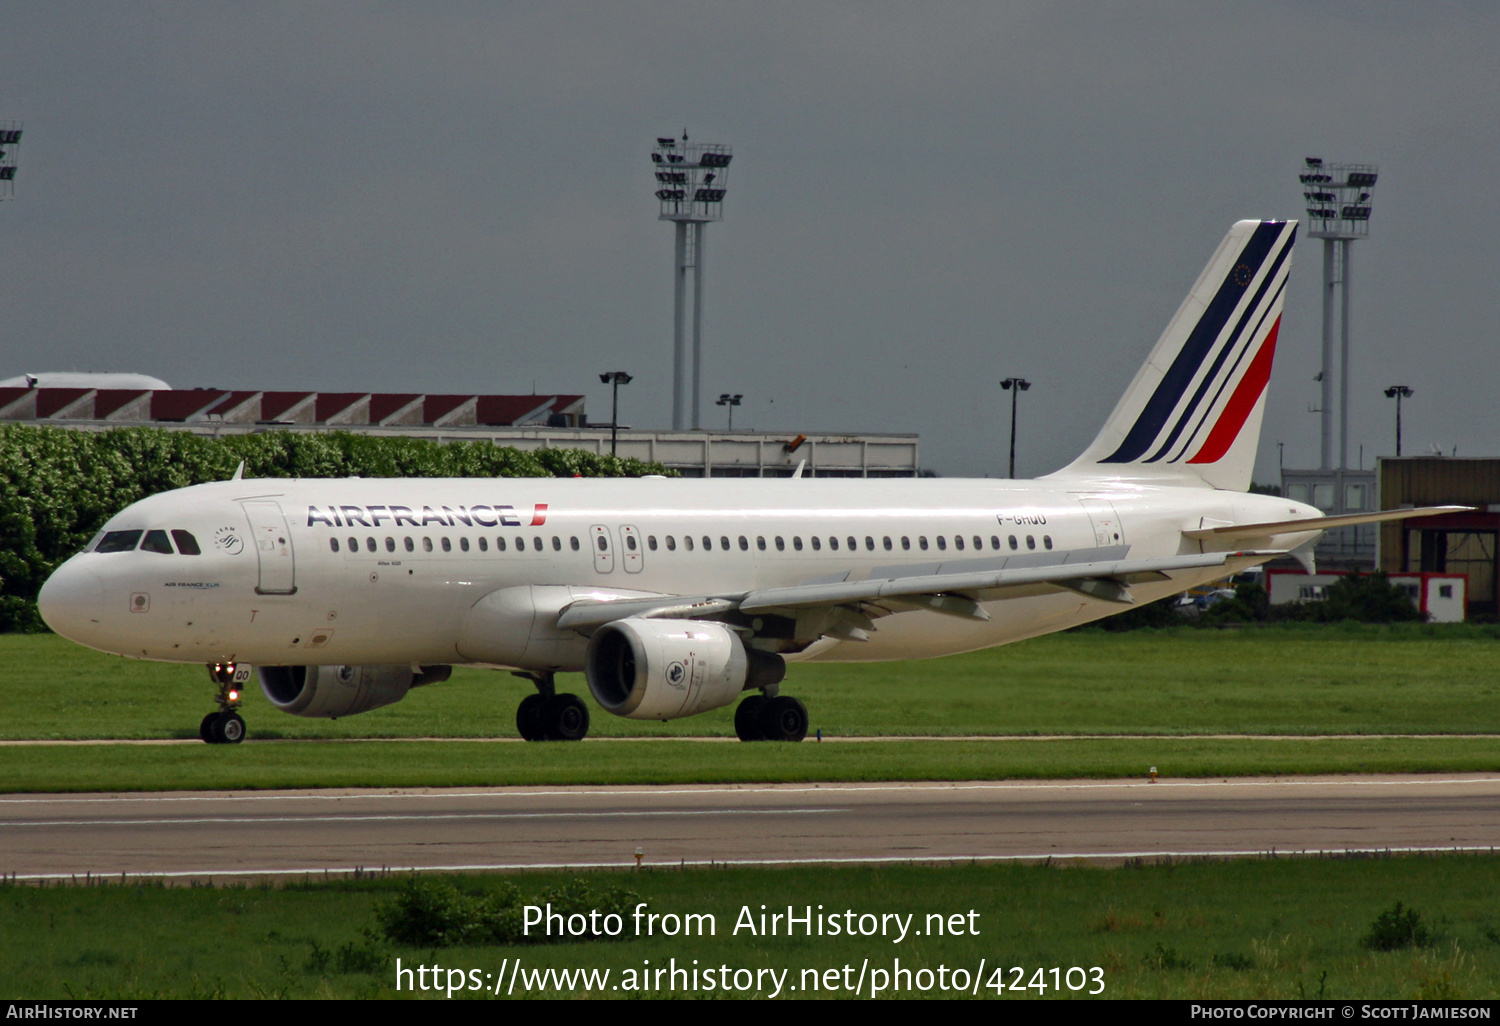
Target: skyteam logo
pixel 676 674
pixel 1218 374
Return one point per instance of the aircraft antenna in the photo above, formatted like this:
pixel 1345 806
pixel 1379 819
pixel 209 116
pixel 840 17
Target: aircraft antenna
pixel 691 180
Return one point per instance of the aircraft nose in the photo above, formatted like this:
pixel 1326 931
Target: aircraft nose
pixel 72 601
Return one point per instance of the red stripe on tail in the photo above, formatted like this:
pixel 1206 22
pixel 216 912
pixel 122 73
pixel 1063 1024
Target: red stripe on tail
pixel 1250 389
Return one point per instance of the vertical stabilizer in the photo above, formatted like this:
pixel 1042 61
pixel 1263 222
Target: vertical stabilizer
pixel 1193 411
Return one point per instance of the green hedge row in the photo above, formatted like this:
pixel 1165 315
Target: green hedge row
pixel 57 487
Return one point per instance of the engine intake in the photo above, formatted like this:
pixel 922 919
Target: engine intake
pixel 646 669
pixel 334 691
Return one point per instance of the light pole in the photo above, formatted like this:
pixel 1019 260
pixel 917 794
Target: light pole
pixel 1014 386
pixel 1398 393
pixel 691 180
pixel 731 401
pixel 615 378
pixel 1338 200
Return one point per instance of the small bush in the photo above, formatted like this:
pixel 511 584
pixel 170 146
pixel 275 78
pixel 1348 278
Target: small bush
pixel 1230 960
pixel 1397 928
pixel 434 913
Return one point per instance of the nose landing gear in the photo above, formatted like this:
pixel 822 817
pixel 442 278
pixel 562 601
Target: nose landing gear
pixel 225 727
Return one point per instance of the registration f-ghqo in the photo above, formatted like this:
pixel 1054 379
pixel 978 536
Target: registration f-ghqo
pixel 676 597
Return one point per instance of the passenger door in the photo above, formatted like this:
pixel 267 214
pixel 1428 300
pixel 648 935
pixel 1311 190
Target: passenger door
pixel 273 548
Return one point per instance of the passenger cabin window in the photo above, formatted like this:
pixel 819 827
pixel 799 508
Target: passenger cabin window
pixel 484 544
pixel 447 545
pixel 994 541
pixel 370 544
pixel 463 543
pixel 833 543
pixel 353 544
pixel 1047 541
pixel 186 543
pixel 797 542
pixel 1013 544
pixel 817 543
pixel 942 543
pixel 573 541
pixel 651 542
pixel 744 544
pixel 557 543
pixel 958 542
pixel 870 543
pixel 672 543
pixel 333 543
pixel 426 544
pixel 922 543
pixel 390 544
pixel 781 544
pixel 1030 542
pixel 499 544
pixel 410 545
pixel 687 542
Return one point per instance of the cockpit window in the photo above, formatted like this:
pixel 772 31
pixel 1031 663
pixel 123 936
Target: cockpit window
pixel 119 541
pixel 156 541
pixel 186 543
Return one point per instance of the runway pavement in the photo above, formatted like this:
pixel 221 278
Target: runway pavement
pixel 218 834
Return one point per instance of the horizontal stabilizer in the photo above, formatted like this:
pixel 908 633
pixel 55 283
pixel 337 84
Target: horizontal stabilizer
pixel 1232 531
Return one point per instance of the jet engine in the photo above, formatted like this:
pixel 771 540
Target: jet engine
pixel 335 691
pixel 648 669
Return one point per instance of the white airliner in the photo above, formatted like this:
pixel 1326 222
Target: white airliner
pixel 678 596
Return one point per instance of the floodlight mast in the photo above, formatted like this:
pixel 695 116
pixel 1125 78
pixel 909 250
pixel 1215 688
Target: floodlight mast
pixel 1338 212
pixel 692 180
pixel 10 145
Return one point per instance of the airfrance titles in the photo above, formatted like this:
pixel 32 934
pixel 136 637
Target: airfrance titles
pixel 479 515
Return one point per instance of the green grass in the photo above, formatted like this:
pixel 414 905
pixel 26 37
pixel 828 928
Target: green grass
pixel 1269 928
pixel 1293 680
pixel 262 766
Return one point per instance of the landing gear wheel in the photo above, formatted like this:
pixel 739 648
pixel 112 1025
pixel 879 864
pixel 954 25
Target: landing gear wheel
pixel 783 718
pixel 747 719
pixel 206 728
pixel 230 729
pixel 530 718
pixel 566 717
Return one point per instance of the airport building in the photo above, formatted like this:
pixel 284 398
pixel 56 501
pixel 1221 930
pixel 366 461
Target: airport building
pixel 521 421
pixel 1450 543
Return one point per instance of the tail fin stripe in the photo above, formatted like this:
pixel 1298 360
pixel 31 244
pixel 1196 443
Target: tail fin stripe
pixel 1253 338
pixel 1256 309
pixel 1179 376
pixel 1252 385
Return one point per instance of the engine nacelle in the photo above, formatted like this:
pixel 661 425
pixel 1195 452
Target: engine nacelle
pixel 334 691
pixel 648 669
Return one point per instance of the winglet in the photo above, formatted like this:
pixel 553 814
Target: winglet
pixel 239 472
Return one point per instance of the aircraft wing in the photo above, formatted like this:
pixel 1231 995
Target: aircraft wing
pixel 1229 532
pixel 950 593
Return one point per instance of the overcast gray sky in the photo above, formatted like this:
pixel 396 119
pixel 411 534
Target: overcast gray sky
pixel 925 198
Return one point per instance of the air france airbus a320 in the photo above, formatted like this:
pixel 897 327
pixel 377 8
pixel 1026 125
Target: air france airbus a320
pixel 679 596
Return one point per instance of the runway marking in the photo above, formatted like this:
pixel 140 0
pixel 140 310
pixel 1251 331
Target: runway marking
pixel 425 818
pixel 709 789
pixel 500 867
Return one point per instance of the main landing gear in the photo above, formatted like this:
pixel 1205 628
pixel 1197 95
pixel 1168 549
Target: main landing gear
pixel 225 727
pixel 549 716
pixel 770 717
